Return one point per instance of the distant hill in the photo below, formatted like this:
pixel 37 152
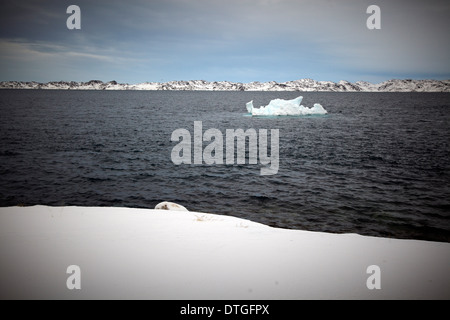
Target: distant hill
pixel 394 85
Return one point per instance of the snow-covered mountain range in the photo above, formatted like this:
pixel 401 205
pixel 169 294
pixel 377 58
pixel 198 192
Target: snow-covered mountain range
pixel 395 85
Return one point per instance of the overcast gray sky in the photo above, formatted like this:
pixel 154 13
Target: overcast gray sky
pixel 235 40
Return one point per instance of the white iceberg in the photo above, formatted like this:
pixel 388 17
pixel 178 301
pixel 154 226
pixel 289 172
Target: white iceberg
pixel 281 107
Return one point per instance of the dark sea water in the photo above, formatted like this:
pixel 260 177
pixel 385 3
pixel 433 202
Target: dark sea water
pixel 378 164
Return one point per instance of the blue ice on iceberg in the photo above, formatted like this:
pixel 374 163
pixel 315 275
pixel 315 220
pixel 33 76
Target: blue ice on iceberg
pixel 280 107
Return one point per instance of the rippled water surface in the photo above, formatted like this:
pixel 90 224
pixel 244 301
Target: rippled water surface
pixel 377 164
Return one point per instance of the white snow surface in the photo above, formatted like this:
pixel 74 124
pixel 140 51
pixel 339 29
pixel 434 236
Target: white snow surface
pixel 281 107
pixel 161 254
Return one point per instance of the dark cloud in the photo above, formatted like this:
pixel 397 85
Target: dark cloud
pixel 207 38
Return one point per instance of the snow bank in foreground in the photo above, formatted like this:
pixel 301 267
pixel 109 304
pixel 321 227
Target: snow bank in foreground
pixel 161 254
pixel 280 107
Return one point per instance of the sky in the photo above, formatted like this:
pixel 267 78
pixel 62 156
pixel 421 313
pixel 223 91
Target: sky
pixel 235 40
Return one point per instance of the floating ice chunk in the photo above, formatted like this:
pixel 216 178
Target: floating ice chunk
pixel 280 107
pixel 318 109
pixel 249 106
pixel 170 206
